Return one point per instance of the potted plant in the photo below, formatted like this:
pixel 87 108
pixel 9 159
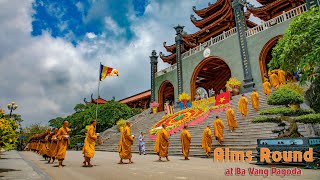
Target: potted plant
pixel 233 86
pixel 154 105
pixel 184 98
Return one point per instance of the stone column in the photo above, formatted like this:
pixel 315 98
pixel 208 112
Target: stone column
pixel 312 3
pixel 178 39
pixel 240 19
pixel 154 69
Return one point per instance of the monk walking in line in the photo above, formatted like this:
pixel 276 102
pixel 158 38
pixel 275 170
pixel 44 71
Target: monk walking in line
pixel 274 80
pixel 255 100
pixel 282 76
pixel 162 143
pixel 231 120
pixel 207 140
pixel 63 142
pixel 125 144
pixel 218 129
pixel 185 141
pixel 53 146
pixel 266 88
pixel 89 144
pixel 243 106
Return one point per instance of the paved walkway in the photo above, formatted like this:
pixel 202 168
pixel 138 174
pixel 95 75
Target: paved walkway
pixel 13 166
pixel 147 167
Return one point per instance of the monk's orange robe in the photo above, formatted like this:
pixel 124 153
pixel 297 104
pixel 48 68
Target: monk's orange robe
pixel 207 140
pixel 162 143
pixel 274 80
pixel 185 142
pixel 90 142
pixel 62 143
pixel 266 88
pixel 282 76
pixel 231 120
pixel 53 146
pixel 218 129
pixel 125 144
pixel 243 106
pixel 255 100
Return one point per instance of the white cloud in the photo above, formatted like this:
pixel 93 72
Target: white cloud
pixel 111 25
pixel 91 35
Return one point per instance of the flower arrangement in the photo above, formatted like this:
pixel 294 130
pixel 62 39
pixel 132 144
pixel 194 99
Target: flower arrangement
pixel 154 104
pixel 184 97
pixel 233 83
pixel 176 121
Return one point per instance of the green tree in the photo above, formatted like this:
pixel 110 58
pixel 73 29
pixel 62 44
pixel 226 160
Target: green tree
pixel 33 129
pixel 299 49
pixel 108 115
pixel 8 133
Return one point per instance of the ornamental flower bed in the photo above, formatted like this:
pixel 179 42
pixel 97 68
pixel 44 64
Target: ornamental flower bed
pixel 176 121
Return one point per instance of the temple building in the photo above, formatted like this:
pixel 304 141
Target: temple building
pixel 95 101
pixel 226 45
pixel 140 100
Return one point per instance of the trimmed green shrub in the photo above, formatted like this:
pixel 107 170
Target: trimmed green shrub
pixel 308 119
pixel 266 120
pixel 285 96
pixel 286 111
pixel 294 86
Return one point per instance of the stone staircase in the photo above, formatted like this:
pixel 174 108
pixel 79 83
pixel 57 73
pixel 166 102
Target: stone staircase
pixel 244 138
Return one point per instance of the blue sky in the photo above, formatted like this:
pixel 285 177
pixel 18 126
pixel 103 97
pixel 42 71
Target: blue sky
pixel 69 19
pixel 52 49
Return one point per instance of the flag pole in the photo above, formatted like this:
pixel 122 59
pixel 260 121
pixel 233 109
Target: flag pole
pixel 98 92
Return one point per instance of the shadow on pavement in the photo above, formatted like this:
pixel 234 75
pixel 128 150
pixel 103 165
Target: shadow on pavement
pixel 7 170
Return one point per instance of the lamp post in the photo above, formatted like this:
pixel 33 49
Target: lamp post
pixel 12 107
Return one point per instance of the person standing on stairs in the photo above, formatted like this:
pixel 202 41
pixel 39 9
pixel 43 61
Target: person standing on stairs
pixel 218 129
pixel 141 144
pixel 255 100
pixel 274 80
pixel 266 87
pixel 243 106
pixel 282 77
pixel 207 140
pixel 185 142
pixel 231 120
pixel 162 143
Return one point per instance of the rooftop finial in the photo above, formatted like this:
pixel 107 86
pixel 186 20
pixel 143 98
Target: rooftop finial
pixel 179 29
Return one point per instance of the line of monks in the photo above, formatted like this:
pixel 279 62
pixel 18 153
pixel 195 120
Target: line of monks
pixel 274 79
pixel 54 145
pixel 51 145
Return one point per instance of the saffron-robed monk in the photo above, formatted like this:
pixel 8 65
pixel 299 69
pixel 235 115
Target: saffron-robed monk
pixel 63 142
pixel 231 120
pixel 255 100
pixel 218 129
pixel 274 80
pixel 53 146
pixel 243 106
pixel 89 144
pixel 125 144
pixel 185 142
pixel 207 140
pixel 162 143
pixel 266 87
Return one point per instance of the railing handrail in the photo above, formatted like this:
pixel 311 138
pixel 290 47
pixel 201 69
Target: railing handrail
pixel 277 20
